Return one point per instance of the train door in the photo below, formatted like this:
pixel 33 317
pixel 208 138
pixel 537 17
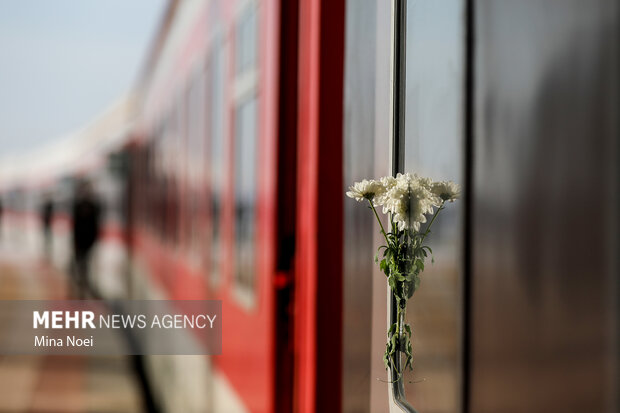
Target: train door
pixel 428 39
pixel 503 311
pixel 517 102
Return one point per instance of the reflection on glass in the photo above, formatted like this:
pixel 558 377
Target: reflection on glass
pixel 433 148
pixel 245 192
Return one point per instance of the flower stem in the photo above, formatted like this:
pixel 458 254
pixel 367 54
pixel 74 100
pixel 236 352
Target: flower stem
pixel 428 229
pixel 398 327
pixel 400 314
pixel 378 220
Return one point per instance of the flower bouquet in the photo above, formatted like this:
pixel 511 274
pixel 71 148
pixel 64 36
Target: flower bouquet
pixel 407 200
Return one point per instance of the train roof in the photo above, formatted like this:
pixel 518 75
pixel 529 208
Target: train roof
pixel 75 153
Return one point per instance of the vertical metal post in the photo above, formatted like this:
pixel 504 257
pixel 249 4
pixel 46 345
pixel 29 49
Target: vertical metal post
pixel 468 214
pixel 398 94
pixel 398 83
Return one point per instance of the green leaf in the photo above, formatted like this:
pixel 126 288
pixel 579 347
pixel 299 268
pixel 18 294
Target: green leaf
pixel 416 282
pixel 410 290
pixel 392 283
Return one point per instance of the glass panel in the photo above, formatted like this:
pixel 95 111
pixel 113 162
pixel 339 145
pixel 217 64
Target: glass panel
pixel 433 148
pixel 217 131
pixel 360 295
pixel 245 192
pixel 246 38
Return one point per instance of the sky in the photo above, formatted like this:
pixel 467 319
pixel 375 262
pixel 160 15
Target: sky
pixel 63 62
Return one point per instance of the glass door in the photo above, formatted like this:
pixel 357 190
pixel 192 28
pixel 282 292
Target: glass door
pixel 430 143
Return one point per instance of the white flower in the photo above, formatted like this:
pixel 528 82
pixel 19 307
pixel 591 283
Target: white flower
pixel 446 190
pixel 366 190
pixel 425 182
pixel 387 183
pixel 409 200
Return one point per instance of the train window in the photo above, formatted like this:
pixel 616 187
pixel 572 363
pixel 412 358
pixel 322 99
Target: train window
pixel 178 172
pixel 148 188
pixel 181 171
pixel 167 151
pixel 217 132
pixel 195 152
pixel 245 192
pixel 245 147
pixel 434 147
pixel 158 219
pixel 166 155
pixel 246 40
pixel 160 176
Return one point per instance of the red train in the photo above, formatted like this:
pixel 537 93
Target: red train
pixel 252 117
pixel 214 194
pixel 209 190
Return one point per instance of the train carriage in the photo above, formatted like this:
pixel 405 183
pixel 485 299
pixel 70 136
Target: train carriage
pixel 206 192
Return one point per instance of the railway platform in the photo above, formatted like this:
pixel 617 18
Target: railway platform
pixel 54 384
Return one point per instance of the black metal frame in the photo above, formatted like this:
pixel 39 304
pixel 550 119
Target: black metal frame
pixel 398 96
pixel 467 198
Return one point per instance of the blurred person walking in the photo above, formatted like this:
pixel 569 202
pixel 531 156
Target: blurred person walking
pixel 85 213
